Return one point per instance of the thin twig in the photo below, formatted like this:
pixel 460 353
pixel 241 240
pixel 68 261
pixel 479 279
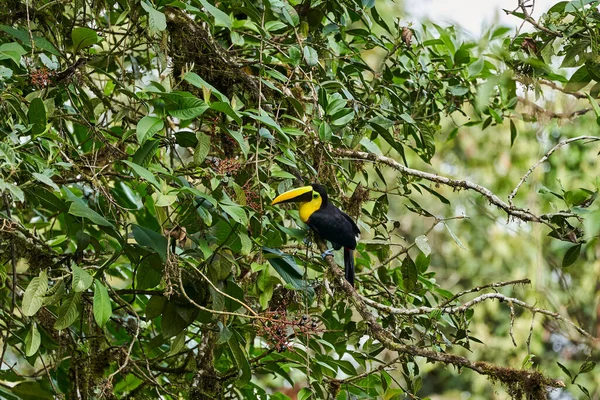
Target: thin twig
pixel 183 292
pixel 486 286
pixel 551 114
pixel 216 289
pixel 546 157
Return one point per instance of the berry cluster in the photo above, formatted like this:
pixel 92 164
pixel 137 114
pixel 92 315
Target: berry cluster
pixel 41 77
pixel 252 199
pixel 280 328
pixel 226 166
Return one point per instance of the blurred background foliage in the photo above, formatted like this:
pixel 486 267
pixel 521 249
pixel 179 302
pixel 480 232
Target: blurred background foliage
pixel 141 145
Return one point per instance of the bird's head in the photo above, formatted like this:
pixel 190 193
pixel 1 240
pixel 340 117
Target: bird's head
pixel 304 194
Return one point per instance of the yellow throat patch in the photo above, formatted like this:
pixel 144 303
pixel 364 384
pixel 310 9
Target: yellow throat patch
pixel 308 208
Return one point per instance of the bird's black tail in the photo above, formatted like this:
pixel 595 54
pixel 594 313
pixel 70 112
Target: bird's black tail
pixel 349 265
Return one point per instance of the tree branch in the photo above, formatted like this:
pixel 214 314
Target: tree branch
pixel 550 114
pixel 523 6
pixel 512 211
pixel 471 303
pixel 533 382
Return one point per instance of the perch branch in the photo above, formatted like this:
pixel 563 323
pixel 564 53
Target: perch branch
pixel 528 378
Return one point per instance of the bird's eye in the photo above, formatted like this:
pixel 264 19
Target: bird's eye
pixel 315 195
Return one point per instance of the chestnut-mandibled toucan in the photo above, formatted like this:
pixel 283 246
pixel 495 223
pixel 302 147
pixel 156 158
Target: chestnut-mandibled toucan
pixel 326 220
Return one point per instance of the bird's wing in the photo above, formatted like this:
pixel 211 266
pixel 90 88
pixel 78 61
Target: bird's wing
pixel 333 225
pixel 354 226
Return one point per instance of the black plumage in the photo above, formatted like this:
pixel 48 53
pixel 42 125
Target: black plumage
pixel 337 227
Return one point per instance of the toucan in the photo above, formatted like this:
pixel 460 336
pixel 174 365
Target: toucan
pixel 326 220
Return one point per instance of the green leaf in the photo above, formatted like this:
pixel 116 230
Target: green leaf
pixel 102 306
pixel 37 112
pixel 184 105
pixel 225 108
pixel 151 240
pixel 176 319
pixel 513 133
pixel 69 311
pixel 410 274
pixel 193 79
pixel 236 213
pixel 565 370
pixel 239 138
pixel 32 340
pixel 147 127
pixel 155 306
pixel 143 173
pixel 587 367
pixel 304 394
pixel 578 80
pixel 235 291
pixel 295 56
pixel 23 36
pixel 265 119
pixel 14 190
pixel 177 344
pixel 165 200
pixel 241 361
pixel 476 68
pixel 145 153
pixel 82 280
pixel 81 210
pixel 83 37
pixel 221 19
pixel 423 245
pixel 455 238
pixel 594 104
pixel 571 255
pixel 342 118
pixel 286 267
pixel 46 180
pixel 33 298
pixel 310 56
pixel 157 21
pixel 5 73
pixel 8 154
pixel 12 51
pixel 31 390
pixel 325 132
pixel 290 14
pixel 407 118
pixel 202 148
pixel 274 26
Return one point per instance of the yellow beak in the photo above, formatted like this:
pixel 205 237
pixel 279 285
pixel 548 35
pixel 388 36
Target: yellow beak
pixel 302 194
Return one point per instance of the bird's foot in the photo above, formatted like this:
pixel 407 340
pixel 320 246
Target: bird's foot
pixel 328 252
pixel 307 241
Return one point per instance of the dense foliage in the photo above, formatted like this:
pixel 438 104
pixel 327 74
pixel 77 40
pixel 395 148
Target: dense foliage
pixel 141 144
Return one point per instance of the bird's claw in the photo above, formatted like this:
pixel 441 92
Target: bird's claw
pixel 307 241
pixel 328 252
